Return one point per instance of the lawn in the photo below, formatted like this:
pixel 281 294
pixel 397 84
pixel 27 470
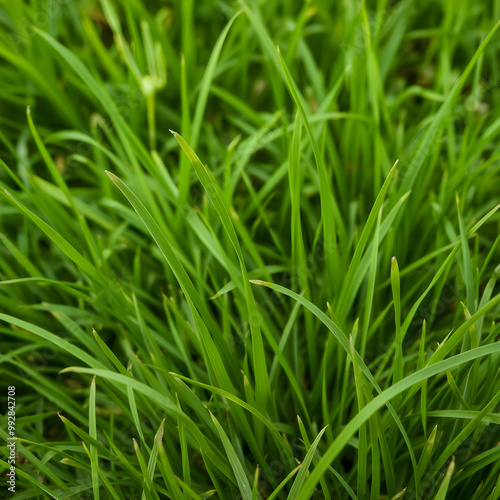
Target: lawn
pixel 250 249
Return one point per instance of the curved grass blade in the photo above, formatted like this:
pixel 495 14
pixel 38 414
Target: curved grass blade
pixel 217 351
pixel 216 197
pixel 379 401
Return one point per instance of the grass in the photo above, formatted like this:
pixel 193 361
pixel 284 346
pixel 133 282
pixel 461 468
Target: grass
pixel 250 250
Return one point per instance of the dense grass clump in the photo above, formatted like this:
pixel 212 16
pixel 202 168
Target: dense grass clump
pixel 232 270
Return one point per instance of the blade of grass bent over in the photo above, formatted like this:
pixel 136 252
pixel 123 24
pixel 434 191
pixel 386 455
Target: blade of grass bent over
pixel 378 402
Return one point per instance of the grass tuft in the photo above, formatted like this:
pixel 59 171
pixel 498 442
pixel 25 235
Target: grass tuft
pixel 295 296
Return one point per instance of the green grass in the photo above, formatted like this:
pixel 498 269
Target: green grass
pixel 250 249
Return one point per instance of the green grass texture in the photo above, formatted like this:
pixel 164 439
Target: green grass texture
pixel 250 249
